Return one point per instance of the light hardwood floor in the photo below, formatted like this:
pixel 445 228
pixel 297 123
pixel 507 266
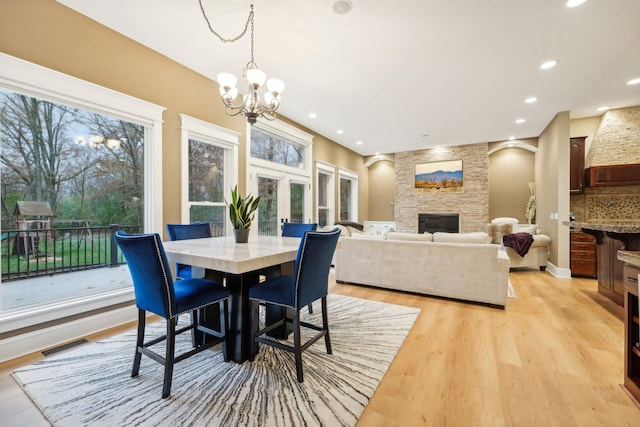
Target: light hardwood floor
pixel 553 357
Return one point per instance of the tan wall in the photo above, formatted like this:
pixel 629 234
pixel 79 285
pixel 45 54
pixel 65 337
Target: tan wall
pixel 552 187
pixel 510 172
pixel 381 190
pixel 47 33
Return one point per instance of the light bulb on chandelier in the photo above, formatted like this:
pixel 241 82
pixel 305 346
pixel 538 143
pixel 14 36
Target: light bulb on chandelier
pixel 253 105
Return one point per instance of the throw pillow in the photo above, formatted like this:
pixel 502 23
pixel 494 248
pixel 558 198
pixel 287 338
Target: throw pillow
pixel 496 231
pixel 526 228
pixel 475 237
pixel 504 220
pixel 395 235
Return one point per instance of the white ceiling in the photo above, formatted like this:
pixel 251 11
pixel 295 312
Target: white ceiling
pixel 389 72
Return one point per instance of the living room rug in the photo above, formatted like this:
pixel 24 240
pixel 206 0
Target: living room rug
pixel 91 384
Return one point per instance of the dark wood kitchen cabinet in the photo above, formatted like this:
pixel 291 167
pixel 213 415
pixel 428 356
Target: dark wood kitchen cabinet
pixel 611 269
pixel 584 255
pixel 576 165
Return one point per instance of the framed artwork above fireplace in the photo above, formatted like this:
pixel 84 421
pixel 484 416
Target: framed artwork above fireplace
pixel 439 176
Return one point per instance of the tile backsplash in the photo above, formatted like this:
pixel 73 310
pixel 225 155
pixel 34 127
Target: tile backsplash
pixel 614 204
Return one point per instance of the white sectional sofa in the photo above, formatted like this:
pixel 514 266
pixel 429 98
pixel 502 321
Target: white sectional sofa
pixel 460 266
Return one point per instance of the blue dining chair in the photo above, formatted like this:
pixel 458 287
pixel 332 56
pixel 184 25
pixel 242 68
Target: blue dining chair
pixel 196 230
pixel 292 229
pixel 157 293
pixel 309 282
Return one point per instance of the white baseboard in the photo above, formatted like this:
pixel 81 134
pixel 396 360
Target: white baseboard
pixel 31 342
pixel 560 273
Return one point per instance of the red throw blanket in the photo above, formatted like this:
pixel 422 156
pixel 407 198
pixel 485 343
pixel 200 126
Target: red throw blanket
pixel 519 242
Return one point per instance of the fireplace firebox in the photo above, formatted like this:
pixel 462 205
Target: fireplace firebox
pixel 432 222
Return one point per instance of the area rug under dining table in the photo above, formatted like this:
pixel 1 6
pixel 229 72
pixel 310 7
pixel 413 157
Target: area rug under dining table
pixel 91 384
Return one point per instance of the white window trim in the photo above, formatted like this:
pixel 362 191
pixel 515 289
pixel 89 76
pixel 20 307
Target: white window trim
pixel 192 128
pixel 353 177
pixel 258 167
pixel 289 132
pixel 326 169
pixel 34 80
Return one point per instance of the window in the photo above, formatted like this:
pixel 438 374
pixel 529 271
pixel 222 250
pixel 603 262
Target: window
pixel 34 81
pixel 276 148
pixel 348 195
pixel 209 159
pixel 325 194
pixel 279 169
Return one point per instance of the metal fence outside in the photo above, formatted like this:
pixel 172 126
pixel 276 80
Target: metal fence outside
pixel 48 251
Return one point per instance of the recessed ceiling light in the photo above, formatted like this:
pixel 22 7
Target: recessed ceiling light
pixel 313 115
pixel 341 7
pixel 575 3
pixel 520 121
pixel 340 131
pixel 633 81
pixel 549 64
pixel 358 142
pixel 377 153
pixel 530 100
pixel 603 108
pixel 511 138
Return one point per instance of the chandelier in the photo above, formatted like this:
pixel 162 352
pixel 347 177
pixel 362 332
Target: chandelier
pixel 253 105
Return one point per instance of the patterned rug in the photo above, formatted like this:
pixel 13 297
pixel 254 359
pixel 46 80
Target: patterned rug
pixel 91 384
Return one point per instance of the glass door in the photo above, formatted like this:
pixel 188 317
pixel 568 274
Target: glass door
pixel 270 208
pixel 283 199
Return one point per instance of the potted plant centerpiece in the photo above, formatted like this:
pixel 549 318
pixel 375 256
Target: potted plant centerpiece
pixel 241 213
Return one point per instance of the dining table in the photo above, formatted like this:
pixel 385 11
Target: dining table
pixel 238 266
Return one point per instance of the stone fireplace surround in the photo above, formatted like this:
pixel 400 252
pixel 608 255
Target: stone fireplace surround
pixel 472 203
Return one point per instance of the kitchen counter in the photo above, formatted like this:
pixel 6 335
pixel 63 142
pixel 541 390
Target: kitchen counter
pixel 613 226
pixel 627 232
pixel 630 257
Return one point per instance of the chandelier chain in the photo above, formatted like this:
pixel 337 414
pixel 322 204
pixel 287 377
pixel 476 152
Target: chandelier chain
pixel 234 39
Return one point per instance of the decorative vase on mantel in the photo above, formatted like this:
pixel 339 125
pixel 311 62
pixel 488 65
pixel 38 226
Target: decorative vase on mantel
pixel 241 234
pixel 241 213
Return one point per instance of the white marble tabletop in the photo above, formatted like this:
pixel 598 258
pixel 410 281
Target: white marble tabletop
pixel 224 254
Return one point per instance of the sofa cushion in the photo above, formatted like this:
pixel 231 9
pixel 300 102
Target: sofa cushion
pixel 365 236
pixel 496 231
pixel 424 237
pixel 504 220
pixel 475 237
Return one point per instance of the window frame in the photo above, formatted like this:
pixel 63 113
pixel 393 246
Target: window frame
pixel 353 178
pixel 329 170
pixel 258 167
pixel 208 133
pixel 34 80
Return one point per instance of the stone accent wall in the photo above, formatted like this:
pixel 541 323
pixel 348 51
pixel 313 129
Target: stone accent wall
pixel 472 203
pixel 617 141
